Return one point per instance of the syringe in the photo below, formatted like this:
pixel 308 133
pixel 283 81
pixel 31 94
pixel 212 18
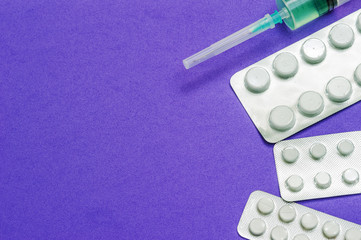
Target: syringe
pixel 295 13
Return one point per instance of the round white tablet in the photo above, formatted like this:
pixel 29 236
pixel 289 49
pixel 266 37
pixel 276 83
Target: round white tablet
pixel 309 221
pixel 318 150
pixel 313 50
pixel 358 23
pixel 285 65
pixel 323 180
pixel 339 89
pixel 341 36
pixel 353 234
pixel 290 154
pixel 282 118
pixel 301 237
pixel 358 75
pixel 331 229
pixel 310 103
pixel 265 206
pixel 287 213
pixel 350 176
pixel 345 147
pixel 279 233
pixel 257 227
pixel 257 80
pixel 294 183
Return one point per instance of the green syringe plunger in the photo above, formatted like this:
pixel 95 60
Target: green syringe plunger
pixel 295 13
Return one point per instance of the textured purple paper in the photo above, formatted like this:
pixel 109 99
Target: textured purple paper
pixel 104 134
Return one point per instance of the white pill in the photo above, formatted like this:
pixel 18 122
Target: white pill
pixel 290 154
pixel 257 227
pixel 287 213
pixel 282 118
pixel 313 50
pixel 341 36
pixel 310 103
pixel 331 229
pixel 294 183
pixel 358 75
pixel 350 176
pixel 318 150
pixel 257 80
pixel 353 234
pixel 345 147
pixel 309 221
pixel 358 23
pixel 301 237
pixel 285 65
pixel 339 89
pixel 265 206
pixel 279 233
pixel 323 180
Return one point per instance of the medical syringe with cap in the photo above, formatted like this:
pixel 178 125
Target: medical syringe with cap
pixel 295 13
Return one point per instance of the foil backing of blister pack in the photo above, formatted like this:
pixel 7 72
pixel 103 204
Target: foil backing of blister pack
pixel 307 167
pixel 293 228
pixel 310 77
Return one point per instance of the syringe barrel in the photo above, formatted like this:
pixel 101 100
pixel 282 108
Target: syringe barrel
pixel 305 11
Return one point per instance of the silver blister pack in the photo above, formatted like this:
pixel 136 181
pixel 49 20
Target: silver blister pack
pixel 304 82
pixel 319 167
pixel 269 217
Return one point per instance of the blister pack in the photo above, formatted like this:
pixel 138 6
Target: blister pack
pixel 305 82
pixel 319 167
pixel 269 217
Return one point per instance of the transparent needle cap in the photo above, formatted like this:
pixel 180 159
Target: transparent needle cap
pixel 268 22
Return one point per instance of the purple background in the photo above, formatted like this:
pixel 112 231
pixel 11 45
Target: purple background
pixel 104 134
